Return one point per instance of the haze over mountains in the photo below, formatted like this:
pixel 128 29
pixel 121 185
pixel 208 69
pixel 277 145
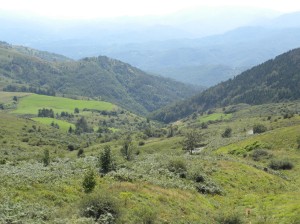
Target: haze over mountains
pixel 201 46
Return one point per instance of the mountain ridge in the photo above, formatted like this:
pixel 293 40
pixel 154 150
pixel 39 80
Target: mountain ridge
pixel 110 79
pixel 275 80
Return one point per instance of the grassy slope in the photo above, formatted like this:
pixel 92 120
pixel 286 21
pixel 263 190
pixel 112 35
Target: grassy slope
pixel 55 191
pixel 31 104
pixel 6 97
pixel 63 125
pixel 280 195
pixel 215 117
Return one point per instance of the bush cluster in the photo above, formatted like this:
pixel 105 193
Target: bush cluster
pixel 259 154
pixel 259 128
pixel 103 208
pixel 281 165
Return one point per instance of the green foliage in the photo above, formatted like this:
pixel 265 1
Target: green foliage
pixel 259 128
pixel 46 157
pixel 178 166
pixel 191 139
pixel 106 160
pixel 208 187
pixel 82 126
pixel 103 208
pixel 259 154
pixel 89 181
pixel 128 148
pixel 227 133
pixel 281 165
pixel 46 113
pixel 80 153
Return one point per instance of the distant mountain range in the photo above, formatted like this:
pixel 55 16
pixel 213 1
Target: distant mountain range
pixel 156 44
pixel 97 77
pixel 276 80
pixel 202 61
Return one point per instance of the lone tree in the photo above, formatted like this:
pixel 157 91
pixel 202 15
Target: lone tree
pixel 46 157
pixel 82 126
pixel 105 160
pixel 127 148
pixel 191 139
pixel 89 181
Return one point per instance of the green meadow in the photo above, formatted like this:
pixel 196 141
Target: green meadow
pixel 63 125
pixel 32 103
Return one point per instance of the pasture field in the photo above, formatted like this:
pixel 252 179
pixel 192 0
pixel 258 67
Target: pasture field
pixel 32 103
pixel 63 125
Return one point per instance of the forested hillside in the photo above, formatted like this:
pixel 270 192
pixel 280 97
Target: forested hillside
pixel 276 80
pixel 24 69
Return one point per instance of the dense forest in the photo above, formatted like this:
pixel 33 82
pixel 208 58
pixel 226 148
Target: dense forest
pixel 276 80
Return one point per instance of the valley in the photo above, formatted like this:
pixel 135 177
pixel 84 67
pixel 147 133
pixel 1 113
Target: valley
pixel 128 112
pixel 159 182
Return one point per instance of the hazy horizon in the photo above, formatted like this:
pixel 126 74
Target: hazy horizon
pixel 92 9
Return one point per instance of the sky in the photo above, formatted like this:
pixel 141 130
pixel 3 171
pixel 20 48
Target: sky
pixel 90 9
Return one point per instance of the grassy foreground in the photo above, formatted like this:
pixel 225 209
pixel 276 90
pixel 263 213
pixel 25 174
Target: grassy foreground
pixel 229 181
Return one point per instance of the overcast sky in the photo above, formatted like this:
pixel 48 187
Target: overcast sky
pixel 88 9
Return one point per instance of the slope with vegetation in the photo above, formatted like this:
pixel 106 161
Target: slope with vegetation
pixel 276 80
pixel 141 174
pixel 27 70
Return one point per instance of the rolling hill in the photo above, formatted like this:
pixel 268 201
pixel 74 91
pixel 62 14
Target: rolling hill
pixel 276 80
pixel 97 77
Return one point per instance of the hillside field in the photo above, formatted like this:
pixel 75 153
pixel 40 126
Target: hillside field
pixel 32 103
pixel 229 179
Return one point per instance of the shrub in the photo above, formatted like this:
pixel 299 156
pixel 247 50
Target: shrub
pixel 227 133
pixel 103 208
pixel 89 181
pixel 141 143
pixel 71 147
pixel 46 157
pixel 281 165
pixel 208 188
pixel 177 166
pixel 197 176
pixel 259 154
pixel 259 128
pixel 80 153
pixel 204 125
pixel 2 161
